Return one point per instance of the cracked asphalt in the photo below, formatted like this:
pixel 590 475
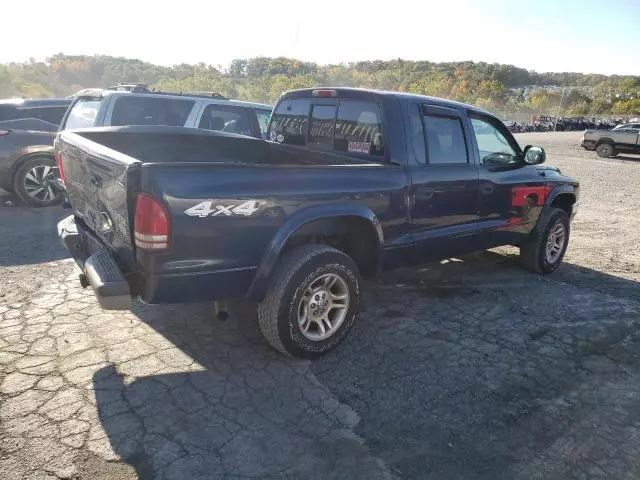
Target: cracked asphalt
pixel 470 368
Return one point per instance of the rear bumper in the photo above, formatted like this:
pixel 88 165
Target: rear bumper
pixel 114 288
pixel 98 265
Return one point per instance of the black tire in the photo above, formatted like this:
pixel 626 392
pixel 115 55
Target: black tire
pixel 20 177
pixel 533 250
pixel 606 150
pixel 293 275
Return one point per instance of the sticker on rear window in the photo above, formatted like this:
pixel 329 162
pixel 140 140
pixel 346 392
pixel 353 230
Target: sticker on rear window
pixel 359 147
pixel 272 135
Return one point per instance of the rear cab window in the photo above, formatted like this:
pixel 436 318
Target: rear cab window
pixel 347 126
pixel 359 128
pixel 289 122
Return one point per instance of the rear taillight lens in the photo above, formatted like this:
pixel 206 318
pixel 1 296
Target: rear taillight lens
pixel 151 225
pixel 58 158
pixel 4 132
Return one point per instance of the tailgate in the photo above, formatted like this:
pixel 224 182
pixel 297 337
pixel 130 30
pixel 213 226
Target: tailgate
pixel 101 184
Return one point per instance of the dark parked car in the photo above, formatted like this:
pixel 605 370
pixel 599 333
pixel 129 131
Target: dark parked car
pixel 351 181
pixel 27 131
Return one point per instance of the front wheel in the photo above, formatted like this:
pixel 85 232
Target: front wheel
pixel 544 250
pixel 36 182
pixel 312 301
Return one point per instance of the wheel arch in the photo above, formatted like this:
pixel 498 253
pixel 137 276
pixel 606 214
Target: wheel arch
pixel 355 226
pixel 564 197
pixel 605 140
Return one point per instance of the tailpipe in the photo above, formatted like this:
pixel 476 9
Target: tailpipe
pixel 221 310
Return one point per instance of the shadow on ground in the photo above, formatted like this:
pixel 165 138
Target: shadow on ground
pixel 29 235
pixel 468 369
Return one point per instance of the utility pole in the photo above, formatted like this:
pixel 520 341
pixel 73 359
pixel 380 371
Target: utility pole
pixel 561 101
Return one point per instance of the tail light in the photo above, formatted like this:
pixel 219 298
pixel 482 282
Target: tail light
pixel 151 224
pixel 58 158
pixel 4 132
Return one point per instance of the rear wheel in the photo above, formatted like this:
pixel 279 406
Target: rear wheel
pixel 544 250
pixel 606 150
pixel 35 182
pixel 312 301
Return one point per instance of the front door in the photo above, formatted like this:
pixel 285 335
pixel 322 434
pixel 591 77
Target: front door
pixel 511 193
pixel 444 183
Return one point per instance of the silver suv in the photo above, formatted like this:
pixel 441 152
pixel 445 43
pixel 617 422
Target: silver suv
pixel 102 108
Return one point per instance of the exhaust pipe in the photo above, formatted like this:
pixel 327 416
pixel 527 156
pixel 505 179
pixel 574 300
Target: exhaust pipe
pixel 221 310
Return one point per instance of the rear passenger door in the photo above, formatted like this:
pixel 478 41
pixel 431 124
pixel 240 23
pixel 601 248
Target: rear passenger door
pixel 444 186
pixel 230 119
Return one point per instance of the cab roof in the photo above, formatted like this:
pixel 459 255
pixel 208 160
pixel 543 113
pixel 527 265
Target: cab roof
pixel 369 93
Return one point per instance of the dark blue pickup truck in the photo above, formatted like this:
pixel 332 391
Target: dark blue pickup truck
pixel 349 182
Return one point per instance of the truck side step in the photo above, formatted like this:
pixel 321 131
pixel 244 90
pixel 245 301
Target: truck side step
pixel 108 282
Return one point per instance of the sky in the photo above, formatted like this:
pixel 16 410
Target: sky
pixel 589 36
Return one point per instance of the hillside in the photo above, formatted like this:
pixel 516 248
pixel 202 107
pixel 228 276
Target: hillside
pixel 505 89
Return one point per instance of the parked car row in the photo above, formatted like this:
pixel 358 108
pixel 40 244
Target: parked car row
pixel 541 123
pixel 28 128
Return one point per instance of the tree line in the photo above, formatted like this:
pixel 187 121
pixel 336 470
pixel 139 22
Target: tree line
pixel 503 89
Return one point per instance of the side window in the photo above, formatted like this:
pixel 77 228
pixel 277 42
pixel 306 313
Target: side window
pixel 83 114
pixel 359 128
pixel 493 147
pixel 445 140
pixel 8 112
pixel 263 121
pixel 289 122
pixel 226 119
pixel 322 125
pixel 53 115
pixel 171 112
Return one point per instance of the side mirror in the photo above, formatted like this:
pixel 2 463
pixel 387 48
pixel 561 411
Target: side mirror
pixel 534 155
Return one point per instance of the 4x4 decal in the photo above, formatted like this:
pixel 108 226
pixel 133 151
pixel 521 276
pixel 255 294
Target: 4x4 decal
pixel 208 209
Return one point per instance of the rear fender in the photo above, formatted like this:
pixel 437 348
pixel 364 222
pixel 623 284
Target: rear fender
pixel 295 223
